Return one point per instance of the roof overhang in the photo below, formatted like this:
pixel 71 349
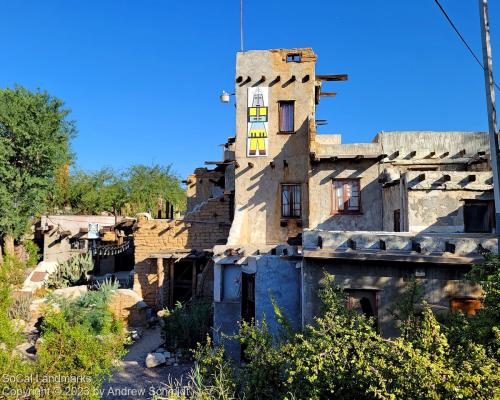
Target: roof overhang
pixel 413 257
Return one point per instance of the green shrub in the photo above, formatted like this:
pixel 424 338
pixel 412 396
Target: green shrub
pixel 187 324
pixel 72 272
pixel 20 305
pixel 33 251
pixel 341 356
pixel 80 338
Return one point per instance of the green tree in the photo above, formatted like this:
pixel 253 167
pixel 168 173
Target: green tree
pixel 93 193
pixel 34 143
pixel 147 184
pixel 140 188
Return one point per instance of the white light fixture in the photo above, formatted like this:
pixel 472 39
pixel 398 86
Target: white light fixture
pixel 225 96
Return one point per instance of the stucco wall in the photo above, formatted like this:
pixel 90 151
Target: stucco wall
pixel 435 205
pixel 279 279
pixel 276 279
pixel 392 200
pixel 321 196
pixel 56 247
pixel 444 144
pixel 388 280
pixel 258 187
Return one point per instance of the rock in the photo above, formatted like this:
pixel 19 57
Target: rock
pixel 175 364
pixel 167 354
pixel 19 324
pixel 160 350
pixel 72 292
pixel 155 359
pixel 26 350
pixel 170 361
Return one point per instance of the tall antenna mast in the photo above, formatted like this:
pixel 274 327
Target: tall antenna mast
pixel 241 24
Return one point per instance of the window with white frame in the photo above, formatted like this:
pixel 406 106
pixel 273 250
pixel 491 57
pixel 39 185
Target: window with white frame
pixel 346 196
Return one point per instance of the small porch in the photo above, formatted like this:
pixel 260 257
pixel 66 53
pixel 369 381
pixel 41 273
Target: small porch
pixel 181 274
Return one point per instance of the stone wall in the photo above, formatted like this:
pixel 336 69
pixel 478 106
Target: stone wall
pixel 129 307
pixel 202 185
pixel 202 229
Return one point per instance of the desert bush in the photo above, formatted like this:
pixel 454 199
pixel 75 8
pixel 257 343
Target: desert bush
pixel 210 379
pixel 20 305
pixel 11 363
pixel 80 338
pixel 72 272
pixel 187 324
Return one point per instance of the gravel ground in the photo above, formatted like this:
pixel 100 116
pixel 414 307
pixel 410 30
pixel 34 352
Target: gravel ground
pixel 133 380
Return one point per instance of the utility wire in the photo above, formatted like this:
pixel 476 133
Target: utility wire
pixel 462 38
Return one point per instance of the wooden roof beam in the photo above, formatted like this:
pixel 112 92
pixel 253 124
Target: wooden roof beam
pixel 331 78
pixel 327 94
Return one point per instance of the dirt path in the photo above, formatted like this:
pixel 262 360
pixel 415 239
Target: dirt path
pixel 134 380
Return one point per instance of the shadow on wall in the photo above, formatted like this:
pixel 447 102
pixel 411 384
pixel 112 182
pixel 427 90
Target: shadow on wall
pixel 388 283
pixel 290 166
pixel 369 217
pixel 460 216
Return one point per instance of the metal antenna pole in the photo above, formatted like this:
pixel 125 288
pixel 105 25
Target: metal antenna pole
pixel 241 24
pixel 490 101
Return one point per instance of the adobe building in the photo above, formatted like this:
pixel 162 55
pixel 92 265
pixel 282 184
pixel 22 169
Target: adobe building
pixel 173 256
pixel 406 205
pixel 63 236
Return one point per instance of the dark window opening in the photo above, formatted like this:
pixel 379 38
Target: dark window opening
pixel 290 201
pixel 248 297
pixel 364 302
pixel 479 216
pixel 286 116
pixel 293 57
pixel 183 282
pixel 397 221
pixel 346 196
pixel 77 244
pixel 247 304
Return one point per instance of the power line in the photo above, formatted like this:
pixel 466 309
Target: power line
pixel 462 38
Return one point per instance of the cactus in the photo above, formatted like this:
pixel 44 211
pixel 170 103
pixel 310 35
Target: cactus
pixel 72 272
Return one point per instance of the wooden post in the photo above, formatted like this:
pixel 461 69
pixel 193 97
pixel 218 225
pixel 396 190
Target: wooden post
pixel 160 303
pixel 171 283
pixel 193 281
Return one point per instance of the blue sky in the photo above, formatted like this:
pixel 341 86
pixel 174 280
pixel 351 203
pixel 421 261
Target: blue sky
pixel 143 77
